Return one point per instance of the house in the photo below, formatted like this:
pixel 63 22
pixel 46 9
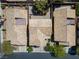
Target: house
pixel 64 25
pixel 40 29
pixel 16 26
pixel 16 22
pixel 40 32
pixel 23 27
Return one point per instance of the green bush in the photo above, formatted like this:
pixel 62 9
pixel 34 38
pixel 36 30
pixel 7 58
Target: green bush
pixel 2 6
pixel 29 49
pixel 55 50
pixel 7 48
pixel 48 47
pixel 59 51
pixel 3 29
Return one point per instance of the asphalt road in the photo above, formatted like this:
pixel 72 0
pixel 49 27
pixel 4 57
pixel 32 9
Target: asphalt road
pixel 37 56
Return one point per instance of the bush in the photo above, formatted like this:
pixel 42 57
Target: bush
pixel 55 50
pixel 2 6
pixel 59 51
pixel 3 29
pixel 48 47
pixel 29 49
pixel 7 48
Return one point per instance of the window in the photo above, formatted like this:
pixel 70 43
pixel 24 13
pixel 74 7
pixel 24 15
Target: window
pixel 20 21
pixel 70 21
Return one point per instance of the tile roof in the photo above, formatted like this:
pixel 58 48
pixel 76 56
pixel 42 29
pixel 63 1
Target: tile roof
pixel 71 36
pixel 40 29
pixel 64 31
pixel 60 24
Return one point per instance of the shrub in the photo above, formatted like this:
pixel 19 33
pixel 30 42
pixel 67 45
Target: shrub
pixel 3 29
pixel 59 51
pixel 48 47
pixel 7 48
pixel 29 49
pixel 55 50
pixel 2 6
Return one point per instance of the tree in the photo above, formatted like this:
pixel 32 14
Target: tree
pixel 40 7
pixel 7 48
pixel 77 9
pixel 29 49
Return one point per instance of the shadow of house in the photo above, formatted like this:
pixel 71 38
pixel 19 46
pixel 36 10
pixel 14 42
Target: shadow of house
pixel 3 0
pixel 57 5
pixel 77 32
pixel 72 0
pixel 1 23
pixel 52 37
